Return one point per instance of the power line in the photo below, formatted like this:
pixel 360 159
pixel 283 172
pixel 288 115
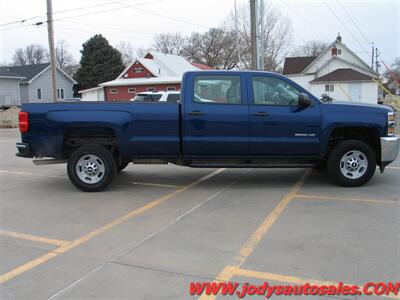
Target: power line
pixel 80 15
pixel 64 11
pixel 354 23
pixel 20 21
pixel 106 27
pixel 165 16
pixel 94 31
pixel 344 25
pixel 305 20
pixel 125 6
pixel 106 10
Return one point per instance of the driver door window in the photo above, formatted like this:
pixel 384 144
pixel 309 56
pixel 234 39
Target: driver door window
pixel 273 91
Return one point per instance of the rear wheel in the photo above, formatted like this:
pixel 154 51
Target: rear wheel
pixel 91 168
pixel 352 163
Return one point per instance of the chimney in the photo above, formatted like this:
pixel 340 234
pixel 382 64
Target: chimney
pixel 339 38
pixel 334 51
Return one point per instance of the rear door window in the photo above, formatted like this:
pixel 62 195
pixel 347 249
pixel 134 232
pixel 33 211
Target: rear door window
pixel 218 89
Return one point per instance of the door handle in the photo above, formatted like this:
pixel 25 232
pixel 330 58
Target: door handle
pixel 261 114
pixel 196 113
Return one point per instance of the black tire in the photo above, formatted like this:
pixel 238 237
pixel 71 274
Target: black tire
pixel 122 165
pixel 105 163
pixel 346 150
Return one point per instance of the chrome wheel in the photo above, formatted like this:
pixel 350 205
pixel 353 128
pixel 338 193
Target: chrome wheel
pixel 90 168
pixel 353 164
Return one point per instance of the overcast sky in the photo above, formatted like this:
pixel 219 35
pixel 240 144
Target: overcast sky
pixel 378 20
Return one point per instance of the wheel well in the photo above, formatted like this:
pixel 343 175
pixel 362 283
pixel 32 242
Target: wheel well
pixel 75 137
pixel 368 135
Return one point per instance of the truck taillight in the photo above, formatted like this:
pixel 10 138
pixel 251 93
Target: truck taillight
pixel 23 121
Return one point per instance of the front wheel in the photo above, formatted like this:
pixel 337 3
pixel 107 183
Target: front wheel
pixel 352 163
pixel 91 168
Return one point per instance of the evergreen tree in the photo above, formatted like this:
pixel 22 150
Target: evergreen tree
pixel 100 62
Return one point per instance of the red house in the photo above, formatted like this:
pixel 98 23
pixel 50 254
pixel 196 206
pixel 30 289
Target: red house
pixel 154 72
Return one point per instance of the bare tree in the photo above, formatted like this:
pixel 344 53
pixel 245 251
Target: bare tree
pixel 276 30
pixel 311 48
pixel 64 58
pixel 169 43
pixel 71 69
pixel 129 53
pixel 215 48
pixel 31 54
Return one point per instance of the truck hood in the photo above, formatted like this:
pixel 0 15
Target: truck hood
pixel 359 105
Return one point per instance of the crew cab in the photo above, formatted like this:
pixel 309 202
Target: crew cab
pixel 224 119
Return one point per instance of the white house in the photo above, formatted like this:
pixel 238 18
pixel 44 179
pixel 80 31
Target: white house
pixel 337 72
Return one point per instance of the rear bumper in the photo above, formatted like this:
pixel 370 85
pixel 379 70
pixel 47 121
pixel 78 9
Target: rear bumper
pixel 389 149
pixel 24 150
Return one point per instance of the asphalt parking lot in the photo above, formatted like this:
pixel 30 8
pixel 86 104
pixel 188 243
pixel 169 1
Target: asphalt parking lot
pixel 158 228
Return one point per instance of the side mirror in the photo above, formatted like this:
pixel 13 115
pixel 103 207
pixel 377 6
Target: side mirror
pixel 303 100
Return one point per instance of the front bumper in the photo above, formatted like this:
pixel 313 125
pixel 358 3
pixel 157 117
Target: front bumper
pixel 24 150
pixel 389 149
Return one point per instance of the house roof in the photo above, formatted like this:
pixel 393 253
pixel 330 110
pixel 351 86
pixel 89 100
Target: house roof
pixel 5 72
pixel 202 66
pixel 339 42
pixel 295 65
pixel 342 75
pixel 91 89
pixel 160 64
pixel 143 81
pixel 30 72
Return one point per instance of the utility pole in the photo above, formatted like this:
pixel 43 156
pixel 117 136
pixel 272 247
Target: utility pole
pixel 253 34
pixel 50 33
pixel 237 35
pixel 372 57
pixel 261 48
pixel 377 65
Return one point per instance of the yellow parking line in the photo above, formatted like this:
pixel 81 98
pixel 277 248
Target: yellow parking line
pixel 245 251
pixel 28 266
pixel 320 197
pixel 292 279
pixel 33 238
pixel 157 184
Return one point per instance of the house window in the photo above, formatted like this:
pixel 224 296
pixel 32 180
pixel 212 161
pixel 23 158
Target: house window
pixel 38 94
pixel 151 89
pixel 113 91
pixel 131 90
pixel 170 88
pixel 329 87
pixel 60 93
pixel 339 51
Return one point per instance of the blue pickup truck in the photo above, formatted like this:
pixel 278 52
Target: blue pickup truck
pixel 224 119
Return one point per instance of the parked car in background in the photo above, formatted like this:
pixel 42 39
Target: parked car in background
pixel 171 96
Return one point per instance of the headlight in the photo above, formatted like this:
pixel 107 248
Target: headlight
pixel 391 123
